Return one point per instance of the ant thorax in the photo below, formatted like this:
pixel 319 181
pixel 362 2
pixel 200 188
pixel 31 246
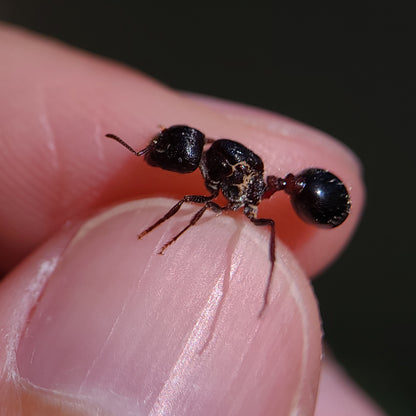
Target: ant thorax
pixel 236 170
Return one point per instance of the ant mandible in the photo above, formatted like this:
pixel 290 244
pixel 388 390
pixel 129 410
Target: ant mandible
pixel 317 196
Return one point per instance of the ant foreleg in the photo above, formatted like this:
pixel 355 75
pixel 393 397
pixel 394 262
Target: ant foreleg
pixel 199 199
pixel 209 204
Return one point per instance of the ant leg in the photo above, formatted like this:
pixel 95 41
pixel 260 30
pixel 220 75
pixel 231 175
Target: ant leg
pixel 209 204
pixel 199 199
pixel 272 256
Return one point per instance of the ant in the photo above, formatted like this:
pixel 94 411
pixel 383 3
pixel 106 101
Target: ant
pixel 317 196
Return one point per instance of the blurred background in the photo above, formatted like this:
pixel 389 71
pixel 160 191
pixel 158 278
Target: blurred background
pixel 347 71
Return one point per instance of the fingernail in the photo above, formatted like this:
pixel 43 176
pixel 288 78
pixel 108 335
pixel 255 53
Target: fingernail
pixel 140 333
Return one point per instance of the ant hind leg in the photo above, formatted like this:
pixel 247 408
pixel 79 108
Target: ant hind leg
pixel 272 256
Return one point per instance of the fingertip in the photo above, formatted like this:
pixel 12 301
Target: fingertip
pixel 178 331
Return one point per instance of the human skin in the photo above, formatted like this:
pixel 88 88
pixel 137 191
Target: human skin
pixel 93 321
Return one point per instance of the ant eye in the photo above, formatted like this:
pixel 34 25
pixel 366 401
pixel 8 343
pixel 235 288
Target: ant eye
pixel 322 198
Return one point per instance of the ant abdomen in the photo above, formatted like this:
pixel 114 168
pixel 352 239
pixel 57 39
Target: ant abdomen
pixel 322 200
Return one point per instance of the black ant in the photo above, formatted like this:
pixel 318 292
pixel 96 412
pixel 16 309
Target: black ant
pixel 317 195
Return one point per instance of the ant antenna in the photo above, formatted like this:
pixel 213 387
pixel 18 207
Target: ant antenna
pixel 139 153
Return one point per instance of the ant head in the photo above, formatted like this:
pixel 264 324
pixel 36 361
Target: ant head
pixel 177 148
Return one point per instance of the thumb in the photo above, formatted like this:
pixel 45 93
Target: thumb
pixel 97 323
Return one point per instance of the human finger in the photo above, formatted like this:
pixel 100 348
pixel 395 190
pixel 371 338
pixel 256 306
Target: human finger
pixel 99 323
pixel 56 163
pixel 338 395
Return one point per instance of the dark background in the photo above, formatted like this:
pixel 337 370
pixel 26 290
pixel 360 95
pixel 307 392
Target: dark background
pixel 345 70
